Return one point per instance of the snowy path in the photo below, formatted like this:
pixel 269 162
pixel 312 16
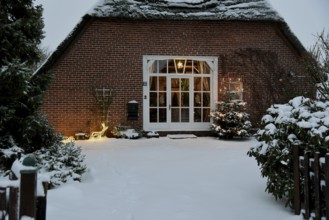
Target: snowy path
pixel 165 179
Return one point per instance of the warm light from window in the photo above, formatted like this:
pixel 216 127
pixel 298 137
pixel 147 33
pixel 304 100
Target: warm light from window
pixel 180 65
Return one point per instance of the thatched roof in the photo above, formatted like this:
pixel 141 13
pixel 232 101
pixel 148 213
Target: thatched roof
pixel 221 10
pixel 186 9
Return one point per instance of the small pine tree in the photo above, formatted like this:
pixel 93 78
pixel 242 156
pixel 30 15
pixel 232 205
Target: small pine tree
pixel 230 119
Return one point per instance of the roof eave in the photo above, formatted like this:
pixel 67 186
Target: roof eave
pixel 292 37
pixel 52 59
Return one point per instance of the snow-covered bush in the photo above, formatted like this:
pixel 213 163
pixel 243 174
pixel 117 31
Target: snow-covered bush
pixel 7 157
pixel 130 134
pixel 230 119
pixel 117 130
pixel 61 162
pixel 302 121
pixel 121 131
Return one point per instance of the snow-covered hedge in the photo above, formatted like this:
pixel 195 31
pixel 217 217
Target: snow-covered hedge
pixel 61 163
pixel 301 121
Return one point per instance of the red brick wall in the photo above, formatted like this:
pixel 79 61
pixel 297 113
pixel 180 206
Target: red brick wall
pixel 109 53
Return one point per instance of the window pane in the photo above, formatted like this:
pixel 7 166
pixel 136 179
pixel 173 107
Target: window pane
pixel 185 115
pixel 162 115
pixel 234 90
pixel 174 99
pixel 185 84
pixel 197 115
pixel 153 99
pixel 153 67
pixel 171 66
pixel 180 66
pixel 196 67
pixel 206 68
pixel 235 86
pixel 162 83
pixel 153 115
pixel 153 83
pixel 162 99
pixel 174 84
pixel 189 67
pixel 197 99
pixel 162 66
pixel 175 115
pixel 197 83
pixel 206 113
pixel 185 99
pixel 206 83
pixel 206 99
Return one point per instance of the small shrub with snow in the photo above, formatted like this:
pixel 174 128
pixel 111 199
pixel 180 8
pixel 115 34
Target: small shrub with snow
pixel 117 130
pixel 230 119
pixel 61 163
pixel 302 121
pixel 121 131
pixel 7 157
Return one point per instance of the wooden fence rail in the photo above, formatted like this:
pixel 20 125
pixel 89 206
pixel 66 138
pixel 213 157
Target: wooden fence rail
pixel 19 198
pixel 311 184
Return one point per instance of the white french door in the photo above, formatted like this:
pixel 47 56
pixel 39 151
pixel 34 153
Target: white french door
pixel 179 93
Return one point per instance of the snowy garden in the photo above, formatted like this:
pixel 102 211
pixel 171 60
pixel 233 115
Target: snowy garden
pixel 163 178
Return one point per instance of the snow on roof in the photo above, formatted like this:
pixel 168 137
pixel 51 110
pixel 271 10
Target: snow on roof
pixel 221 10
pixel 186 9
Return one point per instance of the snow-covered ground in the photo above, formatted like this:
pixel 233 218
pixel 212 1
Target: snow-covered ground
pixel 167 179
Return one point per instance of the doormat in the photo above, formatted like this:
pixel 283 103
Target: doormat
pixel 181 136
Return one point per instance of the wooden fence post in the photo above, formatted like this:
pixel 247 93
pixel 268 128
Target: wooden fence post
pixel 13 201
pixel 42 204
pixel 317 189
pixel 297 199
pixel 28 193
pixel 307 197
pixel 3 204
pixel 326 170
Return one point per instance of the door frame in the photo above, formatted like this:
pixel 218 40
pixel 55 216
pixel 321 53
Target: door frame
pixel 148 60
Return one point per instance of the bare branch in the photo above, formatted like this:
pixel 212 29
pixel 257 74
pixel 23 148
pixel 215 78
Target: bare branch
pixel 316 64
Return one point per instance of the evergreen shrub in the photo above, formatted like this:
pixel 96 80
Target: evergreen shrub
pixel 301 121
pixel 60 163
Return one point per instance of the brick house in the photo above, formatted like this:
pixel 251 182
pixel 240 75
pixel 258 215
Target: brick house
pixel 163 65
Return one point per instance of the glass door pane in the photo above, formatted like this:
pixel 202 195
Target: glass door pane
pixel 201 99
pixel 180 100
pixel 158 99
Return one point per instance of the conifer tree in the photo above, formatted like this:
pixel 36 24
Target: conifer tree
pixel 20 93
pixel 22 127
pixel 230 120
